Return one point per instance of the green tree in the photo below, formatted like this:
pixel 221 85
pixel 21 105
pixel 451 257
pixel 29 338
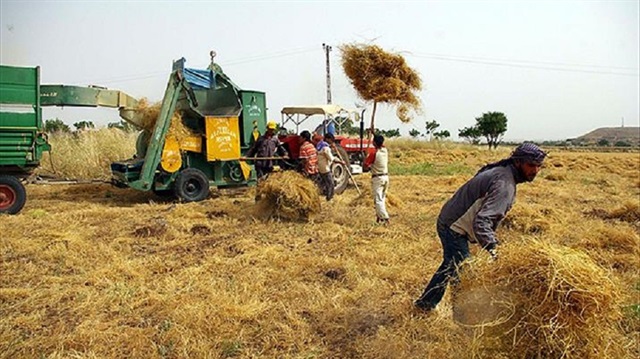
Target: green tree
pixel 388 133
pixel 603 142
pixel 55 125
pixel 431 126
pixel 414 133
pixel 440 135
pixel 622 144
pixel 83 125
pixel 471 134
pixel 492 125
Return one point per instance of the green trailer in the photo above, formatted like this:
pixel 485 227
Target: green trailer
pixel 22 139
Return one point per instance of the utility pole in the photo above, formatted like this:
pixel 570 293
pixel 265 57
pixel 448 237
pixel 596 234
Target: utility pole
pixel 622 121
pixel 327 49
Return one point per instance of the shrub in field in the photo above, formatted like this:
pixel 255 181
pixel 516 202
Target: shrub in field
pixel 87 154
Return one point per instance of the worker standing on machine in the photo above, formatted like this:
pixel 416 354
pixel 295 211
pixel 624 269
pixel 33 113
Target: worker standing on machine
pixel 265 149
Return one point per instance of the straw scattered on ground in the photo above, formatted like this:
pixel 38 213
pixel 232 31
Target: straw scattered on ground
pixel 94 271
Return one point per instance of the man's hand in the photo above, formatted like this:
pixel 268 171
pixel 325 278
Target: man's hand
pixel 494 254
pixel 493 251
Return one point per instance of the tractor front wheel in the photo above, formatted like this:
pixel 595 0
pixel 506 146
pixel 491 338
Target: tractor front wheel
pixel 192 185
pixel 340 171
pixel 12 195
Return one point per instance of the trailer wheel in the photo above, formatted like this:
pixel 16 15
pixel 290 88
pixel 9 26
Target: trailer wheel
pixel 192 185
pixel 12 195
pixel 341 171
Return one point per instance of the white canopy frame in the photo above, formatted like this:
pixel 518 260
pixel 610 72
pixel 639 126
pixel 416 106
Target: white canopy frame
pixel 331 113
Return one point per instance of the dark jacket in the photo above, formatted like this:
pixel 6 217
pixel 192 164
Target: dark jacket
pixel 265 146
pixel 476 209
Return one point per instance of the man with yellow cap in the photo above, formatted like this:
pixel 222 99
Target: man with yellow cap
pixel 264 149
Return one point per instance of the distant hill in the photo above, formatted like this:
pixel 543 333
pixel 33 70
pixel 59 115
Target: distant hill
pixel 613 135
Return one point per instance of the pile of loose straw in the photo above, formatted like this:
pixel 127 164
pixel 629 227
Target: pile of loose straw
pixel 148 115
pixel 540 300
pixel 288 195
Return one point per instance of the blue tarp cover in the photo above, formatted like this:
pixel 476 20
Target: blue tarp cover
pixel 199 79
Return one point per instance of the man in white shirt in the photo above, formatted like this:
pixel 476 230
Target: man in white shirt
pixel 378 161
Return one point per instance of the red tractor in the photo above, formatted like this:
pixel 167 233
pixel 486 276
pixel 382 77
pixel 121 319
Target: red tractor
pixel 335 119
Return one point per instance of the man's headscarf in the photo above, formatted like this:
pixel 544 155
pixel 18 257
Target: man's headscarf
pixel 529 152
pixel 526 152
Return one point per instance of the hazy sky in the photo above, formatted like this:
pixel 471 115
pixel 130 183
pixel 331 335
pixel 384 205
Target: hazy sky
pixel 556 69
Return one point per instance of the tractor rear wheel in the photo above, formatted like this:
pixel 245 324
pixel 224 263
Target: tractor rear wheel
pixel 340 171
pixel 13 195
pixel 192 185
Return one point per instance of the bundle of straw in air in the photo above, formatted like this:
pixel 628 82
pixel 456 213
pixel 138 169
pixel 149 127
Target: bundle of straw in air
pixel 382 76
pixel 288 195
pixel 540 300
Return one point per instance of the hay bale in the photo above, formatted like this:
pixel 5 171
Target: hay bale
pixel 287 195
pixel 547 301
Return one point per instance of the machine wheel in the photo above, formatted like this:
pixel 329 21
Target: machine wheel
pixel 340 171
pixel 12 195
pixel 192 185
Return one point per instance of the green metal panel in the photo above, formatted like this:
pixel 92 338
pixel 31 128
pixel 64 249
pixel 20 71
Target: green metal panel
pixel 21 138
pixel 78 96
pixel 220 102
pixel 19 85
pixel 254 108
pixel 156 143
pixel 16 120
pixel 20 97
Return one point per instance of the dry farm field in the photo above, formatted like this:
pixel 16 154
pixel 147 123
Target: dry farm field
pixel 93 271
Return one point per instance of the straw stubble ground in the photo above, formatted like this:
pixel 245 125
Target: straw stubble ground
pixel 92 271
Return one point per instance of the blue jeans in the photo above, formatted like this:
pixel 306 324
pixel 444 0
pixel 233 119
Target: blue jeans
pixel 456 249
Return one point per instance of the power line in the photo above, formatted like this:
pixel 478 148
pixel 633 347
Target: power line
pixel 225 64
pixel 549 68
pixel 269 56
pixel 526 61
pixel 128 78
pixel 526 64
